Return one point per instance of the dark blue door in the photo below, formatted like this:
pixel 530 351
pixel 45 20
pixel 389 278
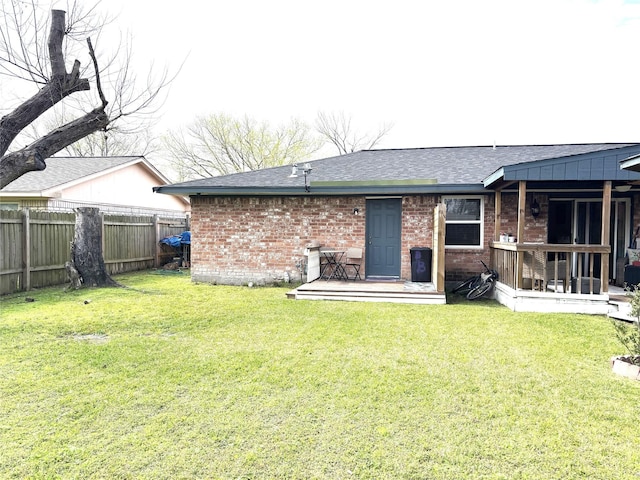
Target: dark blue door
pixel 384 222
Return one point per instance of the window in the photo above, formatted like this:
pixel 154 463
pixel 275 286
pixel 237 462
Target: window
pixel 464 226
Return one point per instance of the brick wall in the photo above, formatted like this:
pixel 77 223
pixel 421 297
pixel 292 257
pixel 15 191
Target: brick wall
pixel 257 239
pixel 635 222
pixel 238 240
pixel 462 263
pixel 417 227
pixel 535 229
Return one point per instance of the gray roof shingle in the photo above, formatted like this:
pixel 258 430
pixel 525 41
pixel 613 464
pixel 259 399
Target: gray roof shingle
pixel 445 165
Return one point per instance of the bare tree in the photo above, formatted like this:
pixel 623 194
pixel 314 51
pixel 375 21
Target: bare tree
pixel 220 144
pixel 110 141
pixel 25 55
pixel 113 143
pixel 55 87
pixel 338 130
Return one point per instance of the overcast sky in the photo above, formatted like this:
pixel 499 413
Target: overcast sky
pixel 443 72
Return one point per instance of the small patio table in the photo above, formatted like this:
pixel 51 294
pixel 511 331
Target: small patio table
pixel 332 267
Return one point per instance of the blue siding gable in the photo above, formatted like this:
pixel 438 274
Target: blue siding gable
pixel 604 165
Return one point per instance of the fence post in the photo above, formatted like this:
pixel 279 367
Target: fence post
pixel 156 253
pixel 26 245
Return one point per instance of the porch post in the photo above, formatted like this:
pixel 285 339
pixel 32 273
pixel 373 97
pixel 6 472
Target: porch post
pixel 605 236
pixel 522 208
pixel 439 221
pixel 498 215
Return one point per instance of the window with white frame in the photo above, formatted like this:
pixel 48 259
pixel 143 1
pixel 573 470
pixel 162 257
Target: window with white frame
pixel 464 227
pixel 9 206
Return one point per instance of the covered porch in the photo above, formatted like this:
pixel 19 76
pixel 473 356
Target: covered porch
pixel 574 274
pixel 553 277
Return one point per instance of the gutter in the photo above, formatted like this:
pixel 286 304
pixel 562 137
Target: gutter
pixel 315 190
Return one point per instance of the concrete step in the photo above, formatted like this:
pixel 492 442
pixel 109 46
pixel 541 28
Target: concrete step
pixel 622 316
pixel 431 298
pixel 621 310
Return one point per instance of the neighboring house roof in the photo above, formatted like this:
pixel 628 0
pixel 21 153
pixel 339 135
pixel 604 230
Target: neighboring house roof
pixel 122 184
pixel 414 170
pixel 65 171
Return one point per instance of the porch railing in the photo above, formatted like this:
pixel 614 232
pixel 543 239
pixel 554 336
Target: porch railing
pixel 552 267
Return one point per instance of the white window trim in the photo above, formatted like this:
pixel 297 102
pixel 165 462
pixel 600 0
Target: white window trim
pixel 466 222
pixel 9 206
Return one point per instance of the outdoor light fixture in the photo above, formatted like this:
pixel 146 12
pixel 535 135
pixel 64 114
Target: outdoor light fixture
pixel 535 208
pixel 356 211
pixel 623 188
pixel 307 171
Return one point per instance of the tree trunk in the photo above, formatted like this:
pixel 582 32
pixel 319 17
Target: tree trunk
pixel 86 249
pixel 74 276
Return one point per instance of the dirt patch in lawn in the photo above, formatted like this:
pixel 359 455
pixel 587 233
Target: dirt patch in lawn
pixel 90 337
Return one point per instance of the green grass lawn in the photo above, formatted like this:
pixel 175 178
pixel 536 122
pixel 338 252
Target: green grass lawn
pixel 172 380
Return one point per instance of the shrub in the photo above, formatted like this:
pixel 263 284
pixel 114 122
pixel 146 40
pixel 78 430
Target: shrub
pixel 629 334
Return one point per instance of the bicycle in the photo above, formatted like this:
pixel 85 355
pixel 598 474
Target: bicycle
pixel 478 285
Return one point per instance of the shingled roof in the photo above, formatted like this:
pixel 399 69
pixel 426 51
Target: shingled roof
pixel 455 169
pixel 62 171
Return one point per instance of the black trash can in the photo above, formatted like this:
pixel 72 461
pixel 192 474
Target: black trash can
pixel 421 264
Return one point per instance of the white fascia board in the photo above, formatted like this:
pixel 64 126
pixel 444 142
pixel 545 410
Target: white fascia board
pixel 632 163
pixel 494 177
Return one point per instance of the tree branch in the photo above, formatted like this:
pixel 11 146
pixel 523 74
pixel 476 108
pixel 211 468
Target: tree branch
pixel 336 127
pixel 31 158
pixel 56 35
pixel 95 66
pixel 13 123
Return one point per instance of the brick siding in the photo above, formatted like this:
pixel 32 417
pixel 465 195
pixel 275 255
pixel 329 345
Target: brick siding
pixel 635 223
pixel 237 240
pixel 462 263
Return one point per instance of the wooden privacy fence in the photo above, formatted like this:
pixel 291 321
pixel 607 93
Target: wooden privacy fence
pixel 34 245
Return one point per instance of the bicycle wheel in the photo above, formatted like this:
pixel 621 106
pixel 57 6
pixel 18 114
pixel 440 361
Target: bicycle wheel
pixel 480 290
pixel 468 284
